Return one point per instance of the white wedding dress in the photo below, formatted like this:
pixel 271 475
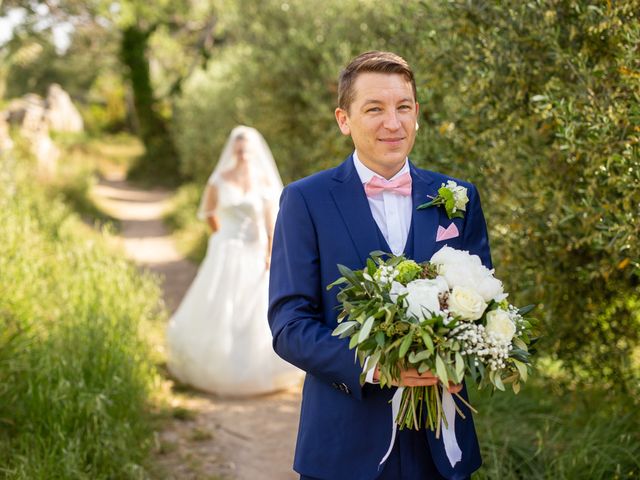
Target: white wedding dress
pixel 219 338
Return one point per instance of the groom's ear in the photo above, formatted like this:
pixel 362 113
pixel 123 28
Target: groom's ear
pixel 343 121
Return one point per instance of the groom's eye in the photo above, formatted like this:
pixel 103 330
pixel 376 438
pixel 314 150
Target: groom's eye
pixel 373 109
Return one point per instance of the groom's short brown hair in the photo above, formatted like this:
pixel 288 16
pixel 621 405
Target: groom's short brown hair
pixel 372 62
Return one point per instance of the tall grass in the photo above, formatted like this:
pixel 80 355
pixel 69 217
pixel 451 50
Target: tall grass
pixel 75 368
pixel 550 433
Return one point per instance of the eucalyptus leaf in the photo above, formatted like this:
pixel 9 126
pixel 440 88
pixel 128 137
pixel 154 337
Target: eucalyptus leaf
pixel 424 366
pixel 406 343
pixel 522 369
pixel 459 367
pixel 520 344
pixel 428 342
pixel 366 330
pixel 373 360
pixel 524 310
pixel 420 356
pixel 441 370
pixel 339 281
pixel 344 327
pixel 349 275
pixel 371 267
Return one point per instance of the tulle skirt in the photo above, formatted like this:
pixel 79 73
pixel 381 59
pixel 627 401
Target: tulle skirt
pixel 219 338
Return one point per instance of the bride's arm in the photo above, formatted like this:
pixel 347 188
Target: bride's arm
pixel 269 220
pixel 210 203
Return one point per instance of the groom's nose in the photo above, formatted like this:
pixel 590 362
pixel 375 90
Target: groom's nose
pixel 391 120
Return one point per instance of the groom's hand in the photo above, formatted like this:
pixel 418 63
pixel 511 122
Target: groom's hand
pixel 411 378
pixel 454 387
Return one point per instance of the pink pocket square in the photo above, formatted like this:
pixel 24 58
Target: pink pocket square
pixel 447 233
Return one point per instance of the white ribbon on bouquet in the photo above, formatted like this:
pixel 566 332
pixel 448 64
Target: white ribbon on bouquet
pixel 451 447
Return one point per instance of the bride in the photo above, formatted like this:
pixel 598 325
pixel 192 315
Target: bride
pixel 219 339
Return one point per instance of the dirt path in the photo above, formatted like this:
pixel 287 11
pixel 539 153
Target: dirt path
pixel 209 437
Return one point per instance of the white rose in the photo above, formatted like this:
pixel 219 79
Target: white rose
pixel 461 269
pixel 422 298
pixel 500 325
pixel 397 289
pixel 449 255
pixel 466 303
pixel 489 286
pixel 441 283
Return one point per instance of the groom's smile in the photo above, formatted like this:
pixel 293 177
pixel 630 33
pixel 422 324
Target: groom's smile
pixel 381 121
pixel 393 142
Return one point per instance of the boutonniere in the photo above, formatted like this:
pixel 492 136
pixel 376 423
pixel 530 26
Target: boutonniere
pixel 452 196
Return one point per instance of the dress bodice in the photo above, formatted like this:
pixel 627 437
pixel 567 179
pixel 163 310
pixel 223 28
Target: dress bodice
pixel 241 214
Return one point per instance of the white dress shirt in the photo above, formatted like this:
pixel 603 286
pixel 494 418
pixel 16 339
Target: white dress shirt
pixel 392 213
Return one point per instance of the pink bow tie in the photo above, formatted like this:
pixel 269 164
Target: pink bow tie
pixel 400 185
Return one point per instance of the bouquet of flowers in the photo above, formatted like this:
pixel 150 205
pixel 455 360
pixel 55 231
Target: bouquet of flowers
pixel 449 316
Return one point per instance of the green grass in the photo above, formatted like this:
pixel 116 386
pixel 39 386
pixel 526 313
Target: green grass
pixel 103 154
pixel 76 370
pixel 549 433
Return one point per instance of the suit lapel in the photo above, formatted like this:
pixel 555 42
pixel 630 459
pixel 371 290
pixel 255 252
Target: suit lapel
pixel 351 201
pixel 425 222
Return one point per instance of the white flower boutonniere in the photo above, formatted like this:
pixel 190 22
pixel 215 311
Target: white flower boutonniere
pixel 452 196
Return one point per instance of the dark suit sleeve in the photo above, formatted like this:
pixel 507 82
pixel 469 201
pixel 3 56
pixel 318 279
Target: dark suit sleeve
pixel 475 237
pixel 296 317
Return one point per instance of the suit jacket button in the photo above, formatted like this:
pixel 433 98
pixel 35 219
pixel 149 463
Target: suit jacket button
pixel 335 385
pixel 345 389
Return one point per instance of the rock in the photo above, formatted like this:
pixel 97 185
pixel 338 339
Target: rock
pixel 30 116
pixel 34 117
pixel 5 139
pixel 27 113
pixel 61 113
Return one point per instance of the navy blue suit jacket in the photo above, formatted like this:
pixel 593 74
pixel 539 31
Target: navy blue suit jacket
pixel 324 220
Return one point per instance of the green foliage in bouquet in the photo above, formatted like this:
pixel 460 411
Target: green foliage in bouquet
pixel 378 316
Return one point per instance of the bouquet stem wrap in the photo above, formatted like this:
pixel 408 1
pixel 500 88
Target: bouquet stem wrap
pixel 440 409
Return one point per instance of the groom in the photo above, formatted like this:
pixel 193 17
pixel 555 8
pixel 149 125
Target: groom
pixel 339 216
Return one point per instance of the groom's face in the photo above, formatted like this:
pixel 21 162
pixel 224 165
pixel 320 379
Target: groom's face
pixel 381 121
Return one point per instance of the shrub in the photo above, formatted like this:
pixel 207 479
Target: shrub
pixel 536 102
